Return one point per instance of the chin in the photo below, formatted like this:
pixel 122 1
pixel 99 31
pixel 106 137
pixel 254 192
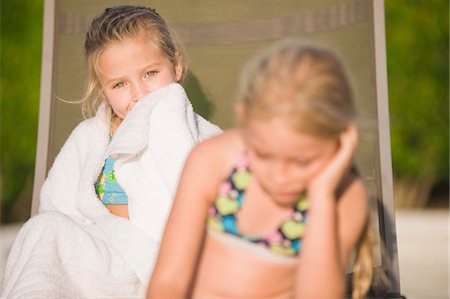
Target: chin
pixel 286 199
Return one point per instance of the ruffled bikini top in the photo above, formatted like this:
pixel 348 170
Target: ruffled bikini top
pixel 284 240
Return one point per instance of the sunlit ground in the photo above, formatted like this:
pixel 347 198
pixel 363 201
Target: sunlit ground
pixel 423 253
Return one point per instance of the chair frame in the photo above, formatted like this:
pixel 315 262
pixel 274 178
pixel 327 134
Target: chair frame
pixel 386 209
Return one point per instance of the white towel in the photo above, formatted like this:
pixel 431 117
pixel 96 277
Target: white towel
pixel 74 248
pixel 150 169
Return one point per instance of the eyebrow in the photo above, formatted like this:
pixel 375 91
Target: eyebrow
pixel 118 79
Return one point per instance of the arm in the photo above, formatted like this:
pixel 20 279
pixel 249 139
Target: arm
pixel 184 233
pixel 333 227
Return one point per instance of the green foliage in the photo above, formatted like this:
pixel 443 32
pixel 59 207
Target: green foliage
pixel 21 39
pixel 417 38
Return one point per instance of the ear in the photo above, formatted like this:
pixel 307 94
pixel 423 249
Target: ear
pixel 178 68
pixel 240 111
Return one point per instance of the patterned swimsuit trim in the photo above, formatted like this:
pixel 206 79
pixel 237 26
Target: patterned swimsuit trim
pixel 285 241
pixel 107 188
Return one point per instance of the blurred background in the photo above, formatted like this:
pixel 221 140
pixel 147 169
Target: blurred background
pixel 417 44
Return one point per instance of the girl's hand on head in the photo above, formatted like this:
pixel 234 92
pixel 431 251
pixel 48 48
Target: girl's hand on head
pixel 325 183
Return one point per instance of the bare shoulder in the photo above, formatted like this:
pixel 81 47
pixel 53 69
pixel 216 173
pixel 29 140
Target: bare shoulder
pixel 354 199
pixel 219 150
pixel 211 160
pixel 353 211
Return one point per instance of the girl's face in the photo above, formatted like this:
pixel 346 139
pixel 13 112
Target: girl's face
pixel 283 160
pixel 132 68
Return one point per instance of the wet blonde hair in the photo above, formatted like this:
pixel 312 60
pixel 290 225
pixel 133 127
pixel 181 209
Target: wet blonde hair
pixel 308 87
pixel 121 23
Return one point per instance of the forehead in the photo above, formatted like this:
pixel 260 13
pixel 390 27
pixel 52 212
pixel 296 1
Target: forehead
pixel 275 136
pixel 131 47
pixel 130 52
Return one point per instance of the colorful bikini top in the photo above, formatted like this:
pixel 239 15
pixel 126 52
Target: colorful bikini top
pixel 286 240
pixel 107 188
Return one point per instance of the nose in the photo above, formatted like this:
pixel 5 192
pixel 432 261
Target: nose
pixel 285 177
pixel 139 91
pixel 280 173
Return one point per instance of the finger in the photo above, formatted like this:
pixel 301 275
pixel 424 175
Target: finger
pixel 344 155
pixel 348 141
pixel 340 162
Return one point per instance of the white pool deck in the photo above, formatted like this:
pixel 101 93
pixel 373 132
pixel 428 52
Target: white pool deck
pixel 423 243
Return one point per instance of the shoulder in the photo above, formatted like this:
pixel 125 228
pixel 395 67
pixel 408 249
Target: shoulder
pixel 351 189
pixel 89 127
pixel 353 209
pixel 85 126
pixel 85 135
pixel 212 160
pixel 354 196
pixel 225 147
pixel 99 123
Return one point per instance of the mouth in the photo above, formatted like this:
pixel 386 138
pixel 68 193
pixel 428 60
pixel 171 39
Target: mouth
pixel 287 194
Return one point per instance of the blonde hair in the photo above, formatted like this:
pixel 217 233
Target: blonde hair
pixel 304 83
pixel 308 87
pixel 118 24
pixel 362 272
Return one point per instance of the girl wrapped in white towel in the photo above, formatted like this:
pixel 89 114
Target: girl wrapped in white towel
pixel 104 204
